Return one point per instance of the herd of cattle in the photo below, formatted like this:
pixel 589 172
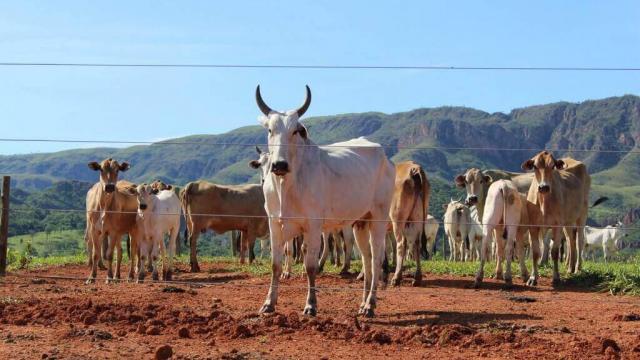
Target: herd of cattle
pixel 313 199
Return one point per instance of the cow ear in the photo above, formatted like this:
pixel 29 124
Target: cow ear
pixel 132 190
pixel 94 166
pixel 302 131
pixel 169 187
pixel 254 164
pixel 459 180
pixel 445 206
pixel 124 166
pixel 263 120
pixel 559 164
pixel 527 165
pixel 155 191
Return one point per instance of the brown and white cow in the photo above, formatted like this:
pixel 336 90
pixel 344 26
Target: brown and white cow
pixel 223 208
pixel 561 191
pixel 408 214
pixel 111 211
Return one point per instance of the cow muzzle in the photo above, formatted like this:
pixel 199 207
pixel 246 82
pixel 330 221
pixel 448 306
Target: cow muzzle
pixel 109 188
pixel 472 200
pixel 143 206
pixel 544 188
pixel 280 168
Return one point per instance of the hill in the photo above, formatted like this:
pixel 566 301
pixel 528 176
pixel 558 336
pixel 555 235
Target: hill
pixel 434 137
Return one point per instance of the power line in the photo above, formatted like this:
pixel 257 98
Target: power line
pixel 446 148
pixel 325 67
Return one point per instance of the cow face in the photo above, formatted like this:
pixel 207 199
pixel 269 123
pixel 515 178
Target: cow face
pixel 144 193
pixel 109 170
pixel 286 135
pixel 544 164
pixel 158 186
pixel 476 183
pixel 262 163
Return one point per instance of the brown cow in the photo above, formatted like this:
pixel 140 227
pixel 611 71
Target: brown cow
pixel 561 190
pixel 238 207
pixel 408 214
pixel 111 211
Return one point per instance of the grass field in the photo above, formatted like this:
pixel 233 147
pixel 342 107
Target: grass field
pixel 615 277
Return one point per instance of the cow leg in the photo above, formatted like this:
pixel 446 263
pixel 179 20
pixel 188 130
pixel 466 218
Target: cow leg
pixel 288 260
pixel 325 252
pixel 534 236
pixel 134 256
pixel 376 234
pixel 95 237
pixel 570 234
pixel 167 271
pixel 361 235
pixel 264 248
pixel 555 254
pixel 508 253
pixel 401 248
pixel 112 244
pixel 417 279
pixel 118 258
pixel 546 244
pixel 348 250
pixel 580 245
pixel 500 244
pixel 277 247
pixel 142 257
pixel 193 241
pixel 312 246
pixel 520 253
pixel 249 242
pixel 338 249
pixel 484 253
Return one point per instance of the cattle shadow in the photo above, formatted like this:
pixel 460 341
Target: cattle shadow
pixel 213 279
pixel 430 317
pixel 486 285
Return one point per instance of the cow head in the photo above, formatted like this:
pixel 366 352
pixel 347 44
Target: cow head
pixel 476 183
pixel 544 164
pixel 262 163
pixel 286 133
pixel 109 170
pixel 158 186
pixel 144 193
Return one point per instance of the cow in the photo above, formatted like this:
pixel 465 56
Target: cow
pixel 222 208
pixel 561 190
pixel 506 212
pixel 158 214
pixel 408 214
pixel 457 221
pixel 314 189
pixel 607 238
pixel 431 232
pixel 111 212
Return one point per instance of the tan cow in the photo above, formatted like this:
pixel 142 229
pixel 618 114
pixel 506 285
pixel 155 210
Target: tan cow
pixel 223 208
pixel 408 214
pixel 561 190
pixel 111 211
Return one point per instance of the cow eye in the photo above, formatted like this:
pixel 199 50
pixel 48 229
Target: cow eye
pixel 269 131
pixel 295 132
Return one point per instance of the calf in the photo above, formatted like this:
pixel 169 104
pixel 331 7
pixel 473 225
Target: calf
pixel 607 238
pixel 158 214
pixel 431 232
pixel 505 212
pixel 457 222
pixel 475 234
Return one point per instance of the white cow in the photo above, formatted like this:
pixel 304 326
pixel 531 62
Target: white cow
pixel 313 189
pixel 158 214
pixel 456 227
pixel 608 238
pixel 504 210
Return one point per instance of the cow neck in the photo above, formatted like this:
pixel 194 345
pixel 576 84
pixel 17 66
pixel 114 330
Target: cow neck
pixel 549 202
pixel 105 203
pixel 295 182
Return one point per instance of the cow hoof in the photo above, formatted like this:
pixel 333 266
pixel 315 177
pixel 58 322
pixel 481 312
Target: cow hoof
pixel 90 281
pixel 168 276
pixel 396 280
pixel 101 266
pixel 309 311
pixel 267 309
pixel 499 276
pixel 344 272
pixel 154 276
pixel 368 312
pixel 532 281
pixel 195 268
pixel 417 282
pixel 555 282
pixel 108 281
pixel 508 284
pixel 477 284
pixel 360 276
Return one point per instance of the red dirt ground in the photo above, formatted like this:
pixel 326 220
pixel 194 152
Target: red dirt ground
pixel 65 319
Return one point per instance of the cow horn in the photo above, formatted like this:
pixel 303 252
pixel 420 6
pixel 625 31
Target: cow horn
pixel 258 150
pixel 261 104
pixel 307 101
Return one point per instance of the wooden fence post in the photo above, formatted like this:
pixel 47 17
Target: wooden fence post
pixel 4 225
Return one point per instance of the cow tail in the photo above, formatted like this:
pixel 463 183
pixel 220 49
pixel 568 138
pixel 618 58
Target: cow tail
pixel 599 201
pixel 129 246
pixel 424 192
pixel 505 233
pixel 185 200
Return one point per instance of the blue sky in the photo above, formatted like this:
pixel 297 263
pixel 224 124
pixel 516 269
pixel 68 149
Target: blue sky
pixel 141 104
